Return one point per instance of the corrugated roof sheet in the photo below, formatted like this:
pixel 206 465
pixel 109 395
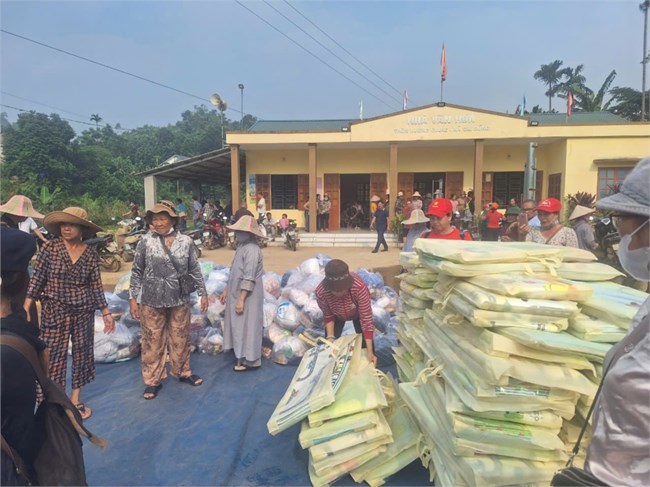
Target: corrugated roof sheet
pixel 575 118
pixel 299 125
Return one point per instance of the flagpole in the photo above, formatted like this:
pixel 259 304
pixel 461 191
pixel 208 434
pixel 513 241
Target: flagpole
pixel 442 83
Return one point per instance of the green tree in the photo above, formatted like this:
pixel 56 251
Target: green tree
pixel 96 118
pixel 586 100
pixel 626 102
pixel 574 80
pixel 550 74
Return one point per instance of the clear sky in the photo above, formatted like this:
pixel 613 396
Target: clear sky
pixel 202 47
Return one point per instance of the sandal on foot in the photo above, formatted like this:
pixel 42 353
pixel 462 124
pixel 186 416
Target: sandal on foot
pixel 83 410
pixel 152 391
pixel 193 380
pixel 244 368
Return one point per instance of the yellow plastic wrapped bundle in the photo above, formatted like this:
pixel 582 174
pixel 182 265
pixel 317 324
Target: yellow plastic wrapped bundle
pixel 594 329
pixel 415 291
pixel 423 278
pixel 533 287
pixel 448 268
pixel 328 474
pixel 587 271
pixel 471 252
pixel 614 303
pixel 360 391
pixel 333 429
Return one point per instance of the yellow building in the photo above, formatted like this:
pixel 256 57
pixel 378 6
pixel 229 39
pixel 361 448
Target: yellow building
pixel 437 147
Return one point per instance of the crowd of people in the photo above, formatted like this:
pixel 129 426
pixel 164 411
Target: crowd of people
pixel 66 280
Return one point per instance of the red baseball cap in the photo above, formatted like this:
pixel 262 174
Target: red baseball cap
pixel 549 205
pixel 439 207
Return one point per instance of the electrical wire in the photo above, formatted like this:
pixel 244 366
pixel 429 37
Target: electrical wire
pixel 348 52
pixel 62 118
pixel 42 104
pixel 142 78
pixel 335 55
pixel 312 54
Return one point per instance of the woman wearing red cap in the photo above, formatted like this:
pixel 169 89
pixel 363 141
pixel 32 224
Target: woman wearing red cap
pixel 551 232
pixel 439 213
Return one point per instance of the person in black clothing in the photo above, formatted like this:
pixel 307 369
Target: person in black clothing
pixel 380 222
pixel 243 210
pixel 18 380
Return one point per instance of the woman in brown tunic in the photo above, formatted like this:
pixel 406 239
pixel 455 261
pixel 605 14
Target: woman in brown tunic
pixel 67 282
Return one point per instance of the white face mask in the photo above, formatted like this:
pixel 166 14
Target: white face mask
pixel 635 262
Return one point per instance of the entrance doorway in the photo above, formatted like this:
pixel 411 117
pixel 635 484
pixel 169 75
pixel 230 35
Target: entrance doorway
pixel 355 191
pixel 429 182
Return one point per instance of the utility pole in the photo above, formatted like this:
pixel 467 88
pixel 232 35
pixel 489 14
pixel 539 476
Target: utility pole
pixel 644 8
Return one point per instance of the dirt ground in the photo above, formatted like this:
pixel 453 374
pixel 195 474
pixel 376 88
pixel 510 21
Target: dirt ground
pixel 281 259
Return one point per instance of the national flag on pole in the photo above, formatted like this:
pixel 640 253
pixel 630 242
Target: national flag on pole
pixel 405 100
pixel 361 110
pixel 569 104
pixel 443 64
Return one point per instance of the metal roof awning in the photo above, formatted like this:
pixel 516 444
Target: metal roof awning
pixel 209 168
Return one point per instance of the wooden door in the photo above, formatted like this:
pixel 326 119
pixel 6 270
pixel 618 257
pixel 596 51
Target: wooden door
pixel 263 185
pixel 405 184
pixel 454 183
pixel 486 194
pixel 332 186
pixel 378 185
pixel 303 190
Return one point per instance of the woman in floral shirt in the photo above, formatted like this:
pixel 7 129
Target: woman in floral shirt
pixel 164 311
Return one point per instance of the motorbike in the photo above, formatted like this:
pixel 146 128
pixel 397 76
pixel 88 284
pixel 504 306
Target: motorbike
pixel 608 239
pixel 108 259
pixel 214 231
pixel 195 235
pixel 291 237
pixel 127 237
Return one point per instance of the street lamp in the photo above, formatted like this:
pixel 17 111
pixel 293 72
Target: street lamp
pixel 241 116
pixel 221 105
pixel 644 8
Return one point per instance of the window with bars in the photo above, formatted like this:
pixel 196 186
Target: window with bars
pixel 284 191
pixel 609 178
pixel 555 186
pixel 507 185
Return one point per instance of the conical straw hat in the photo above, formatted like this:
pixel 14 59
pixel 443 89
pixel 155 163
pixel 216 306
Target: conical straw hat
pixel 20 205
pixel 579 211
pixel 74 215
pixel 246 224
pixel 417 216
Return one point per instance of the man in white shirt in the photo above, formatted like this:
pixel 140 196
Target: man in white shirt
pixel 261 205
pixel 197 208
pixel 28 226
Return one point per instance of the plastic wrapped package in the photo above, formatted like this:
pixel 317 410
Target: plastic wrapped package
pixel 215 310
pixel 380 318
pixel 123 285
pixel 272 283
pixel 313 313
pixel 116 305
pixel 289 351
pixel 533 287
pixel 206 267
pixel 286 315
pixel 588 271
pixel 269 313
pixel 212 341
pixel 120 345
pixel 311 266
pixel 615 303
pixel 198 321
pixel 98 322
pixel 322 260
pixel 383 347
pixel 297 296
pixel 128 320
pixel 286 276
pixel 275 332
pixel 373 280
pixel 337 427
pixel 217 280
pixel 389 299
pixel 594 329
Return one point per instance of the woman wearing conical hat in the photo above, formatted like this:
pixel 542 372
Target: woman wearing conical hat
pixel 67 282
pixel 580 221
pixel 18 212
pixel 244 298
pixel 417 223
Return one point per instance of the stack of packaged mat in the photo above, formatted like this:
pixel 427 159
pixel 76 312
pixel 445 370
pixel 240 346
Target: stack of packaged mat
pixel 352 420
pixel 486 363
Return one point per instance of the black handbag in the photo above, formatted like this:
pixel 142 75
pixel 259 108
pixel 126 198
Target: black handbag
pixel 185 281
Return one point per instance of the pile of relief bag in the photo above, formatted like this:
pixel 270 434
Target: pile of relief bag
pixel 501 352
pixel 290 311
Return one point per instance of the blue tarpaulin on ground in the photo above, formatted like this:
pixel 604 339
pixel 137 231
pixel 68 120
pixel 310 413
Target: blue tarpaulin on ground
pixel 214 434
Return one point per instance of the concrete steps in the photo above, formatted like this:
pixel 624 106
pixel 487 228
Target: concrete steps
pixel 339 239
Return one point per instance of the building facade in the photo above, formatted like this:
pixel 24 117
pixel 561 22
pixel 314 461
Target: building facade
pixel 441 148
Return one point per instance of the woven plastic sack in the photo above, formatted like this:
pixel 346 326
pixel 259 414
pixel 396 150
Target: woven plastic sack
pixel 594 329
pixel 533 287
pixel 587 271
pixel 333 429
pixel 288 351
pixel 360 391
pixel 316 381
pixel 122 286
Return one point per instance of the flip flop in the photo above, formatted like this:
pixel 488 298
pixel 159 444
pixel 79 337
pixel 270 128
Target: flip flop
pixel 151 392
pixel 244 368
pixel 83 410
pixel 193 380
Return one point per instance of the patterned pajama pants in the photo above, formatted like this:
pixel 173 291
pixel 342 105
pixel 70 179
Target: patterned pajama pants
pixel 165 329
pixel 59 325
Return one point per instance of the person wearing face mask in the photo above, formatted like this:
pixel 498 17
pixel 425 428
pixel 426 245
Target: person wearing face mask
pixel 158 300
pixel 551 231
pixel 619 452
pixel 244 298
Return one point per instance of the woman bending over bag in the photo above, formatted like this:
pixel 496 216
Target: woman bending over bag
pixel 159 284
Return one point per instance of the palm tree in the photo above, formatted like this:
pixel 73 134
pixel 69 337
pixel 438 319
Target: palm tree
pixel 96 118
pixel 627 102
pixel 550 74
pixel 586 100
pixel 574 80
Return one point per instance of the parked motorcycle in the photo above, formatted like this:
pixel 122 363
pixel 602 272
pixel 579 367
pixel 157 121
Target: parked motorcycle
pixel 48 236
pixel 127 237
pixel 214 231
pixel 291 237
pixel 196 237
pixel 608 239
pixel 108 259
